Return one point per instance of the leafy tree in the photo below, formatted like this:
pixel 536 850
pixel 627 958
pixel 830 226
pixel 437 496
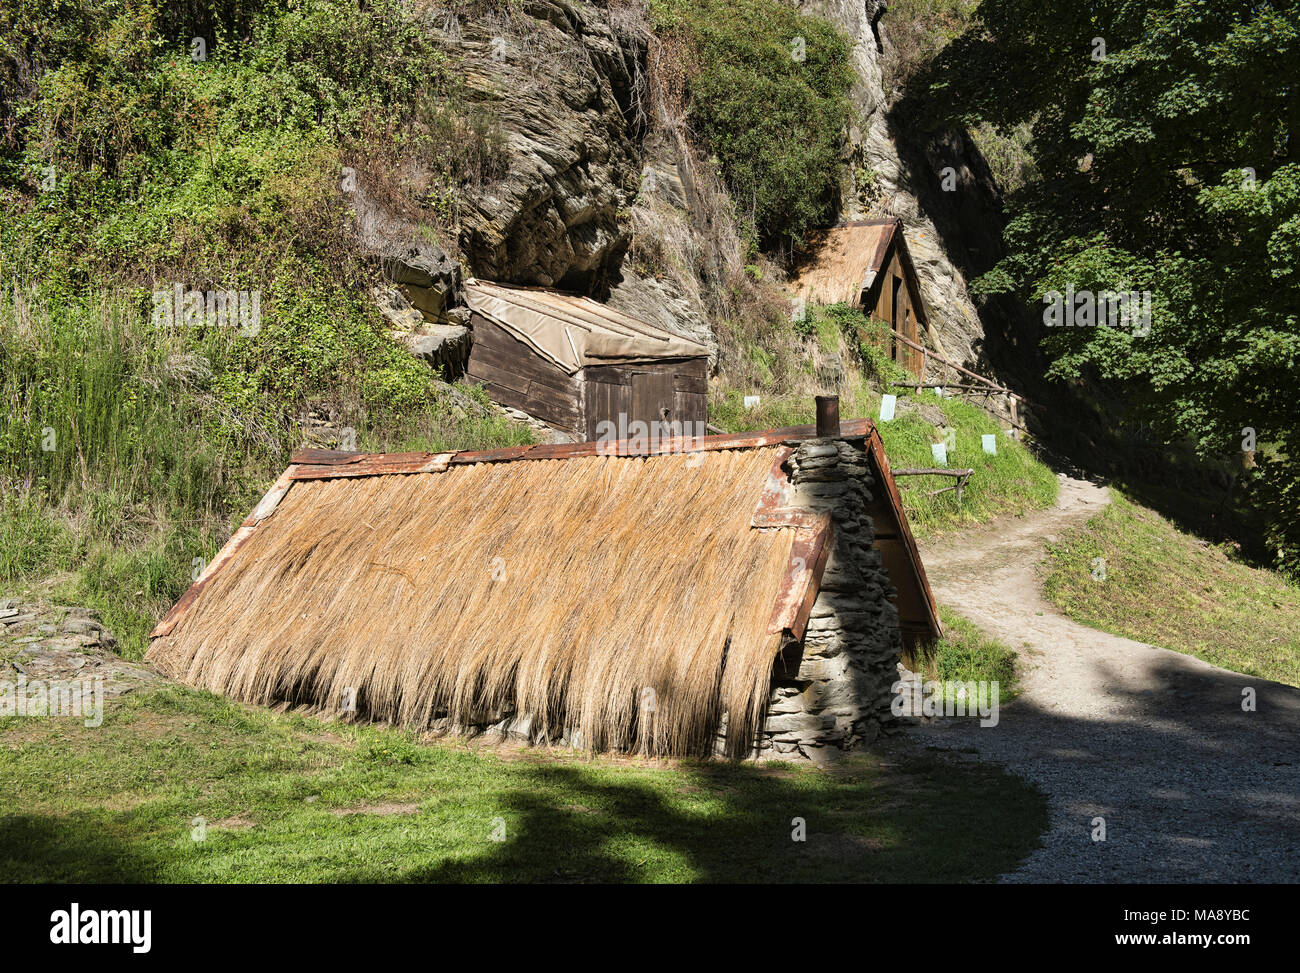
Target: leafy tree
pixel 768 95
pixel 1164 133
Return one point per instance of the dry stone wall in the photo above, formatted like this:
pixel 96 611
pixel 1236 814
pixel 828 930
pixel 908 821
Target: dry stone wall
pixel 834 692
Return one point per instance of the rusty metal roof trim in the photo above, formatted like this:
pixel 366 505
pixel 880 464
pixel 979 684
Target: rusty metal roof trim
pixel 337 464
pixel 809 549
pixel 803 578
pixel 876 451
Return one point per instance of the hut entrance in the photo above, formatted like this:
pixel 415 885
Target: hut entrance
pixel 652 397
pixel 867 265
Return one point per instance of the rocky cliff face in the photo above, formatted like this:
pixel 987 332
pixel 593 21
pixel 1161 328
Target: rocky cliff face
pixel 951 226
pixel 594 161
pixel 561 80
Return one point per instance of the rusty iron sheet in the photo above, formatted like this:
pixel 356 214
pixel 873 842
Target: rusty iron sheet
pixel 323 457
pixel 876 452
pixel 491 455
pixel 378 464
pixel 798 592
pixel 849 429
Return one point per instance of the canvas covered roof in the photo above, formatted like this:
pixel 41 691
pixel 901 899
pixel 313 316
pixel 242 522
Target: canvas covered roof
pixel 844 261
pixel 574 332
pixel 555 580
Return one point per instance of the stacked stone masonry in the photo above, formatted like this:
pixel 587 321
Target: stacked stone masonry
pixel 833 691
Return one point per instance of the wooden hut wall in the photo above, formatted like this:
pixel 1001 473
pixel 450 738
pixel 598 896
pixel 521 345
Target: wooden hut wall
pixel 641 391
pixel 517 376
pixel 890 300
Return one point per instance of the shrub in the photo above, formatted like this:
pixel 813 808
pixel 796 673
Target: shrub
pixel 768 95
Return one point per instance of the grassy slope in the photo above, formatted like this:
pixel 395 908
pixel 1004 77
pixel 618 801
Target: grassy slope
pixel 118 803
pixel 1169 588
pixel 1010 482
pixel 965 653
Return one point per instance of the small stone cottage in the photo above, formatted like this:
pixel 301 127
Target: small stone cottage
pixel 736 595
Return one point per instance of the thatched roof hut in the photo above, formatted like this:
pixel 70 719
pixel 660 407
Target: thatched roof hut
pixel 542 589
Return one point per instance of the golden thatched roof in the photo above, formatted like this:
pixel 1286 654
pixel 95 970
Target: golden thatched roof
pixel 560 582
pixel 843 262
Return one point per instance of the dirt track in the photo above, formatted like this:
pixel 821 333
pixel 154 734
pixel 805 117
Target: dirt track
pixel 1191 787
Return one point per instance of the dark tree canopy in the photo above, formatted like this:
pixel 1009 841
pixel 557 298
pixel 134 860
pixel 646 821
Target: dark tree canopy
pixel 1164 133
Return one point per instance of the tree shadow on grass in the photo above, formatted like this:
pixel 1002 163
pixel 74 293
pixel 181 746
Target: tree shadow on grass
pixel 920 819
pixel 70 848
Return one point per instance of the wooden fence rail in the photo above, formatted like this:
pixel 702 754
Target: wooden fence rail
pixel 962 477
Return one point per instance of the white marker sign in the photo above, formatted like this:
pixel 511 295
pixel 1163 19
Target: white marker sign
pixel 887 403
pixel 990 441
pixel 940 451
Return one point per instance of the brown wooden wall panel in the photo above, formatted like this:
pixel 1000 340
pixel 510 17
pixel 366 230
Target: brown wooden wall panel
pixel 603 402
pixel 519 378
pixel 692 376
pixel 652 397
pixel 496 347
pixel 693 408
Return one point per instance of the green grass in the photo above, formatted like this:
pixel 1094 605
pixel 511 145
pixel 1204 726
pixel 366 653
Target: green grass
pixel 289 798
pixel 966 654
pixel 1169 588
pixel 1012 482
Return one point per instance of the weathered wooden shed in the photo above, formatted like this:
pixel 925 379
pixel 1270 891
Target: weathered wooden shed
pixel 866 264
pixel 575 363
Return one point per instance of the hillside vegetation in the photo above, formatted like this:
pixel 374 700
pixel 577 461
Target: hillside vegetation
pixel 790 367
pixel 130 444
pixel 1131 572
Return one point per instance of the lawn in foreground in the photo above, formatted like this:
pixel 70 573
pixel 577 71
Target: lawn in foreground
pixel 286 798
pixel 1131 572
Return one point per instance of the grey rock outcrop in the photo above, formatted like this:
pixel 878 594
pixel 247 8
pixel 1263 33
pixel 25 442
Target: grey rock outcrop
pixel 834 692
pixel 560 78
pixel 443 346
pixel 893 172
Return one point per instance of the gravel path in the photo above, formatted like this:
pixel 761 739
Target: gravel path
pixel 1191 787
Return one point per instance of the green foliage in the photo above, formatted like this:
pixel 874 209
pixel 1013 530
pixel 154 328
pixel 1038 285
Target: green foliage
pixel 768 94
pixel 1211 605
pixel 129 451
pixel 1167 166
pixel 1012 481
pixel 918 30
pixel 966 654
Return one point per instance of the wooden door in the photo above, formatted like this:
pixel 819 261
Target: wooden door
pixel 652 398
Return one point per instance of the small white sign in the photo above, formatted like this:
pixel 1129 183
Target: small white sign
pixel 940 451
pixel 751 401
pixel 990 441
pixel 887 403
pixel 939 392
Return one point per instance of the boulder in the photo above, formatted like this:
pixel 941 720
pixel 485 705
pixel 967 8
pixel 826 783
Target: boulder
pixel 444 346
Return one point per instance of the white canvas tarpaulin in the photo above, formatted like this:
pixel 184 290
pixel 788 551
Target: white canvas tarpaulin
pixel 574 332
